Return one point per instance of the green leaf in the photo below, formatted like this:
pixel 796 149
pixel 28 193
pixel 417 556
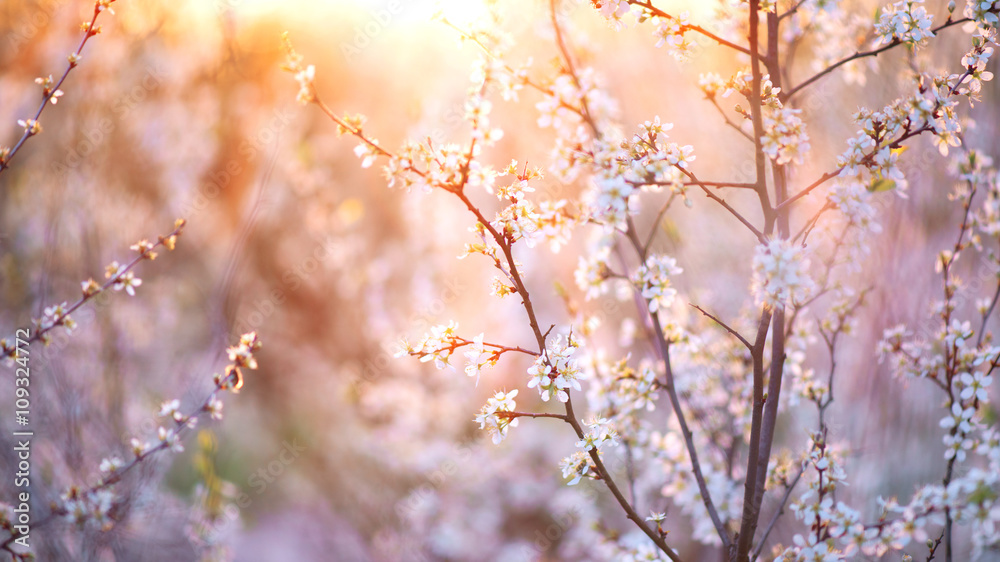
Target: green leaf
pixel 982 494
pixel 882 184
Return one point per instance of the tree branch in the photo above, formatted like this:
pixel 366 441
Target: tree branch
pixel 777 513
pixel 726 206
pixel 610 483
pixel 785 96
pixel 663 350
pixel 514 415
pixel 572 70
pixel 648 5
pixel 756 414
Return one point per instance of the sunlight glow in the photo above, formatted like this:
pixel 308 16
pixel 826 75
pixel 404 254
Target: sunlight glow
pixel 461 12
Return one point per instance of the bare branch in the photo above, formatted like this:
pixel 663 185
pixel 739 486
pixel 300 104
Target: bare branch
pixel 724 325
pixel 726 206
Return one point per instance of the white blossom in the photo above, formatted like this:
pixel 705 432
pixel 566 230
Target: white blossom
pixel 497 425
pixel 780 274
pixel 653 281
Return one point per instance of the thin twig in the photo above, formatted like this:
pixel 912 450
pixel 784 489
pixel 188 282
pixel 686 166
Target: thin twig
pixel 811 223
pixel 656 226
pixel 807 190
pixel 514 415
pixel 728 121
pixel 726 326
pixel 792 10
pixel 572 69
pixel 50 92
pixel 181 425
pixel 89 295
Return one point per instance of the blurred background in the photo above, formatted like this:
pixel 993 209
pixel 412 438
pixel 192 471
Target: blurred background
pixel 336 450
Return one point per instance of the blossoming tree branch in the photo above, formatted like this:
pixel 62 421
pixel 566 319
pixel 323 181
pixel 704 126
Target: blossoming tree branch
pixel 730 382
pixel 97 505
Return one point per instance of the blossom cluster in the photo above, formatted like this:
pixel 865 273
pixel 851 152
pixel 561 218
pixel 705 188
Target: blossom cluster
pixel 436 346
pixel 491 416
pixel 785 138
pixel 650 161
pixel 576 467
pixel 653 281
pixel 959 366
pixel 854 201
pixel 837 532
pixel 305 76
pixel 826 518
pixel 443 341
pixel 646 162
pixel 592 272
pixel 984 13
pixel 599 434
pixel 619 389
pixel 669 31
pixel 781 274
pixel 522 220
pixel 872 155
pixel 614 11
pixel 906 21
pixel 555 371
pixel 573 105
